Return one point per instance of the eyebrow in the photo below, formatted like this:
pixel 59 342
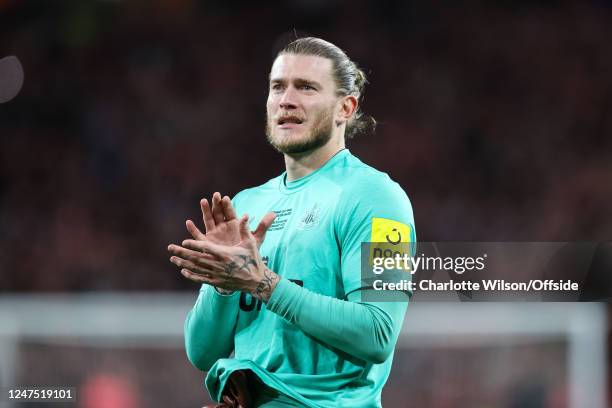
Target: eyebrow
pixel 299 81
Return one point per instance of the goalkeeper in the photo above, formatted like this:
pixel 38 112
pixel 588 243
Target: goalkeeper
pixel 285 295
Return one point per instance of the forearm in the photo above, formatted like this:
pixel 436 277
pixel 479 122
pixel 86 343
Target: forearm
pixel 365 330
pixel 209 327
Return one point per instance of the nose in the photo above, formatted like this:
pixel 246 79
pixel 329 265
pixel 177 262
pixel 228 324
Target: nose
pixel 288 99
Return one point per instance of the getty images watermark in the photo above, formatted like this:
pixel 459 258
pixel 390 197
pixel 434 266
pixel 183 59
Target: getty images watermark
pixel 488 271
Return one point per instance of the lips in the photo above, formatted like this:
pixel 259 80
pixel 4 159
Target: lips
pixel 286 120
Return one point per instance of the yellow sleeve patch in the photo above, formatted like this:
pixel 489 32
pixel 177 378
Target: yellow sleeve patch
pixel 390 239
pixel 389 231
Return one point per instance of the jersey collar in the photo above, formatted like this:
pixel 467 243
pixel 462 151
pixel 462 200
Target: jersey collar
pixel 290 187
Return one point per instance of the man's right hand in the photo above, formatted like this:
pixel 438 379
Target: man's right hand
pixel 222 225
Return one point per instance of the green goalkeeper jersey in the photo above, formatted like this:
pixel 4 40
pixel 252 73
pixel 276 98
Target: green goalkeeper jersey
pixel 315 341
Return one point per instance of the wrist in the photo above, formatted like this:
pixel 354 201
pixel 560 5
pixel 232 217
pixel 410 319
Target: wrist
pixel 266 285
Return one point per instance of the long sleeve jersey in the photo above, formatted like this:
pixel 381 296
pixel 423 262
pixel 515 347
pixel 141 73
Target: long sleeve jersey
pixel 316 340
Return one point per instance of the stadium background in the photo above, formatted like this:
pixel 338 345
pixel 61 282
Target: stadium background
pixel 495 117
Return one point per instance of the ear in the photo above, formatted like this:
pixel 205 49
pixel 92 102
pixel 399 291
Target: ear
pixel 348 106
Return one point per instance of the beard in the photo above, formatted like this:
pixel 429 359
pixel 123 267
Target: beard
pixel 318 136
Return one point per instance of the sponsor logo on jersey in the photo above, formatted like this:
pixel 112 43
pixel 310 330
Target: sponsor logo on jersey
pixel 390 231
pixel 389 238
pixel 248 303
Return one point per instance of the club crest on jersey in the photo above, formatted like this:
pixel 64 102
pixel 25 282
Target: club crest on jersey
pixel 310 219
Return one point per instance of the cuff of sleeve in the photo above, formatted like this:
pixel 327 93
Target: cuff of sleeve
pixel 285 298
pixel 211 293
pixel 224 294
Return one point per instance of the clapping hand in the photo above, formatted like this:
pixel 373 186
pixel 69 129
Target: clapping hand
pixel 227 256
pixel 222 224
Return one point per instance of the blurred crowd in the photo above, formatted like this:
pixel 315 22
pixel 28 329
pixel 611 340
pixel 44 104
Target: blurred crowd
pixel 495 118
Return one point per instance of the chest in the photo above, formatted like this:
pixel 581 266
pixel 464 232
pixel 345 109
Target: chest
pixel 302 240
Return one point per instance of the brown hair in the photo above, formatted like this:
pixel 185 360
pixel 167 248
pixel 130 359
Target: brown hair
pixel 350 80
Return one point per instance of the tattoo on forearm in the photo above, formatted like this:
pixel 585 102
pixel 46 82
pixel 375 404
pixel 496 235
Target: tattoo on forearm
pixel 264 288
pixel 244 263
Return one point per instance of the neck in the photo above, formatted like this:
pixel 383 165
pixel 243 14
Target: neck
pixel 302 164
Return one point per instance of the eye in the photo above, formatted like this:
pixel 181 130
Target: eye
pixel 306 87
pixel 276 87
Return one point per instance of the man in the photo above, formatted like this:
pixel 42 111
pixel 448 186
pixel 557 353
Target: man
pixel 287 297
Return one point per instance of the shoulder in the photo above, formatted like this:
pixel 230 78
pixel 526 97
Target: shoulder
pixel 369 194
pixel 365 185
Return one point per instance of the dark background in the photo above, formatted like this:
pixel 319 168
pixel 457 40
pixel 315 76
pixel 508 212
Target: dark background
pixel 496 118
